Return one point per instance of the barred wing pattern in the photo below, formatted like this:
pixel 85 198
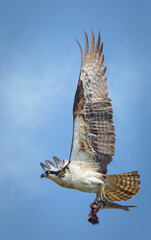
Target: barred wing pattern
pixel 93 136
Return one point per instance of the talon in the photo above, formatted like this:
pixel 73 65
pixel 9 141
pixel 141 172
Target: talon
pixel 91 205
pixel 94 204
pixel 104 195
pixel 107 197
pixel 95 201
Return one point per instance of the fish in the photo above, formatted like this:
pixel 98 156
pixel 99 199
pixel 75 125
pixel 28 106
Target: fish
pixel 101 205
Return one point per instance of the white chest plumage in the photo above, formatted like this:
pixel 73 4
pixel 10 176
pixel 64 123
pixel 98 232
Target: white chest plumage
pixel 77 178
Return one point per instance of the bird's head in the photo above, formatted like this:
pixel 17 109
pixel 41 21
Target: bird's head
pixel 51 174
pixel 52 171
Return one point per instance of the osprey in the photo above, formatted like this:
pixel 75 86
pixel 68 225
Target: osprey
pixel 93 143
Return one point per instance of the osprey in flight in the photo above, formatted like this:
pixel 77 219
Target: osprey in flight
pixel 93 143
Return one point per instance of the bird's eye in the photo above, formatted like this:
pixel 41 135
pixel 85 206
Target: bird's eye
pixel 47 172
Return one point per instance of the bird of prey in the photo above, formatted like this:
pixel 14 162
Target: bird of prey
pixel 93 143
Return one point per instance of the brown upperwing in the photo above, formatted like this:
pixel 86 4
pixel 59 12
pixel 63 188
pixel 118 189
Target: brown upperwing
pixel 92 104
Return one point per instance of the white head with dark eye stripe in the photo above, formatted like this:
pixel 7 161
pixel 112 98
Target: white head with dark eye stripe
pixel 51 171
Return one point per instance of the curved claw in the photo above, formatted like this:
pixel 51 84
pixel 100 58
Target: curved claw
pixel 104 196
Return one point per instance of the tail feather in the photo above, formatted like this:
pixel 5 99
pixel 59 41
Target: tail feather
pixel 122 186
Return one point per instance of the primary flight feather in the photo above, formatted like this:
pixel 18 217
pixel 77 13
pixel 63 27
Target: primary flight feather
pixel 93 143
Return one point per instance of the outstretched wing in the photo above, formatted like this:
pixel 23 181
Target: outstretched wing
pixel 93 133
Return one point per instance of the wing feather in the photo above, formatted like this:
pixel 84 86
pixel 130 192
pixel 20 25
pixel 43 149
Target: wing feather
pixel 92 44
pixel 98 44
pixel 93 135
pixel 87 45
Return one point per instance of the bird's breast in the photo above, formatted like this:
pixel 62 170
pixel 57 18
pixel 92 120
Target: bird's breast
pixel 80 179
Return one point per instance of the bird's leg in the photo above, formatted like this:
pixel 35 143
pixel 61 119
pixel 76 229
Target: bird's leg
pixel 97 197
pixel 95 200
pixel 97 205
pixel 104 196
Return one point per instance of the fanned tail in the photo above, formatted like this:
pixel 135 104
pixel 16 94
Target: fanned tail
pixel 122 186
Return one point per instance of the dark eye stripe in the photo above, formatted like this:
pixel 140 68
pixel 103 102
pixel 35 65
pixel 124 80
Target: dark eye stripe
pixel 51 172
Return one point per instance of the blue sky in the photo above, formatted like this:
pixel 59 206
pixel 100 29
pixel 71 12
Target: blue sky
pixel 39 68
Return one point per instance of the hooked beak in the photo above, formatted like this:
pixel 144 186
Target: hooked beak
pixel 43 175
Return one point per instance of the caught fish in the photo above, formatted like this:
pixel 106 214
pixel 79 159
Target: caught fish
pixel 100 205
